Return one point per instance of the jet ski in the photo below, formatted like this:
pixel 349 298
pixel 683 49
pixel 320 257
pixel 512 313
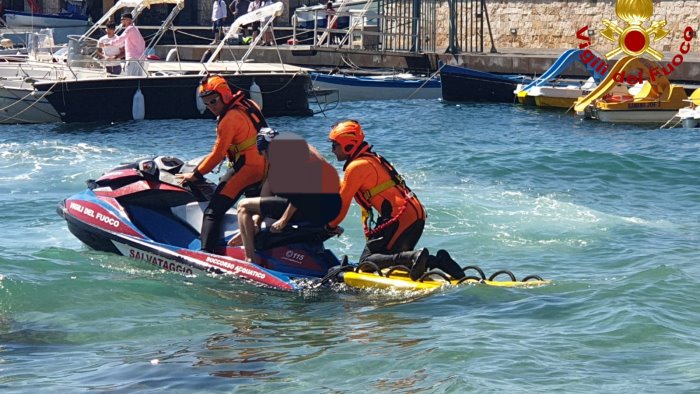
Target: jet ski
pixel 141 211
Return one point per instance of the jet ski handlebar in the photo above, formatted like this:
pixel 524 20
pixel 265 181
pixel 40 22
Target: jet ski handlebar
pixel 165 168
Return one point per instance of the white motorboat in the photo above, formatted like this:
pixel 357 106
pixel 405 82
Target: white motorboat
pixel 550 96
pixel 690 115
pixel 21 103
pixel 380 87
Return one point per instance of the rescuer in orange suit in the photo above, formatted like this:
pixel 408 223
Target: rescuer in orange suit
pixel 376 185
pixel 238 122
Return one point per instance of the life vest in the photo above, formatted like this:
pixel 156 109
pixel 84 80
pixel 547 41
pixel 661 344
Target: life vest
pixel 256 117
pixel 364 198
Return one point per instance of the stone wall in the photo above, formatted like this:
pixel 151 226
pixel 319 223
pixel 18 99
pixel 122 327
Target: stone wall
pixel 551 24
pixel 538 24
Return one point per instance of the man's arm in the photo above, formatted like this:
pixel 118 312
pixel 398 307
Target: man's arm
pixel 281 223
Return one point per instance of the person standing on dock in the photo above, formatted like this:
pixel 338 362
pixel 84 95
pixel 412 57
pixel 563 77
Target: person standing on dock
pixel 239 8
pixel 134 46
pixel 218 18
pixel 330 23
pixel 255 26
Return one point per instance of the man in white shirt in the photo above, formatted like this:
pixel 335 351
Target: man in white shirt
pixel 218 18
pixel 134 46
pixel 111 53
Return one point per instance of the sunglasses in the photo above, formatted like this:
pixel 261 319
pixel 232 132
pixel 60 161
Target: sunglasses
pixel 212 101
pixel 334 145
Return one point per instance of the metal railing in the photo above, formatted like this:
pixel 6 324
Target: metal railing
pixel 394 25
pixel 390 26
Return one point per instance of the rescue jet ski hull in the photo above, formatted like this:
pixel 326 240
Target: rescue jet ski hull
pixel 147 218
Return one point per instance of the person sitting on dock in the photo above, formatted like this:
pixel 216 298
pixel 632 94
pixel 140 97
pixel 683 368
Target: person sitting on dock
pixel 238 122
pixel 134 46
pixel 300 186
pixel 375 184
pixel 111 53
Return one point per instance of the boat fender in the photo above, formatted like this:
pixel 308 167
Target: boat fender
pixel 199 102
pixel 256 94
pixel 138 107
pixel 172 55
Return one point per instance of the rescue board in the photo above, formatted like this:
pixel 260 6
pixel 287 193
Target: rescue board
pixel 397 278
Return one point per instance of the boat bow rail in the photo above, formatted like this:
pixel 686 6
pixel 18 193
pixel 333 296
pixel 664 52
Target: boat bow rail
pixel 267 13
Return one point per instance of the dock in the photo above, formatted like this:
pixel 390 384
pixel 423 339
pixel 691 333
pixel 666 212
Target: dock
pixel 529 62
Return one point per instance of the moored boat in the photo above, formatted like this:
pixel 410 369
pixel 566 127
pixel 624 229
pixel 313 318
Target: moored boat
pixel 652 108
pixel 690 115
pixel 20 103
pixel 466 84
pixel 657 101
pixel 168 89
pixel 18 20
pixel 562 96
pixel 169 96
pixel 543 93
pixel 382 87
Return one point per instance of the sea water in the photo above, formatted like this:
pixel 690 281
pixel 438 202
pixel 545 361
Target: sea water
pixel 609 213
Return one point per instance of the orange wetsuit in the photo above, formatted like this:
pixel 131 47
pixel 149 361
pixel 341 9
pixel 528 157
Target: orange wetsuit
pixel 235 139
pixel 370 182
pixel 236 133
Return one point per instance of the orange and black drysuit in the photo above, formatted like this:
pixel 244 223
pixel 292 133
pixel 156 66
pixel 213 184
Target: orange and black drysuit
pixel 236 132
pixel 375 184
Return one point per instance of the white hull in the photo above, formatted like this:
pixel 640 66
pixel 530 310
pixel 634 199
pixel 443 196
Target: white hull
pixel 568 92
pixel 355 89
pixel 359 93
pixel 18 21
pixel 635 116
pixel 20 105
pixel 690 123
pixel 689 116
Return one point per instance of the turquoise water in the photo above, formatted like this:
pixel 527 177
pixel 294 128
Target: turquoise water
pixel 610 213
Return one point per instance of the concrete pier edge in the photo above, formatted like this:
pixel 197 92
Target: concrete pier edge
pixel 529 62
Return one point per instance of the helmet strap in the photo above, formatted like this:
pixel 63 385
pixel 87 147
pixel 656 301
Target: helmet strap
pixel 361 149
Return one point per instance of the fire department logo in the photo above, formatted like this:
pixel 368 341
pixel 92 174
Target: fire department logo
pixel 634 40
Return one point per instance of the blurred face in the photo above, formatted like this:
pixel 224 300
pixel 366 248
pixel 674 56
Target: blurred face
pixel 214 103
pixel 338 151
pixel 110 32
pixel 126 22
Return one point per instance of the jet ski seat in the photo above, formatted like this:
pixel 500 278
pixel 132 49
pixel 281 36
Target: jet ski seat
pixel 193 212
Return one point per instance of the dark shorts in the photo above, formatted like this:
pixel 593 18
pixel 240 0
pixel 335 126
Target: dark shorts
pixel 316 209
pixel 115 70
pixel 217 24
pixel 255 26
